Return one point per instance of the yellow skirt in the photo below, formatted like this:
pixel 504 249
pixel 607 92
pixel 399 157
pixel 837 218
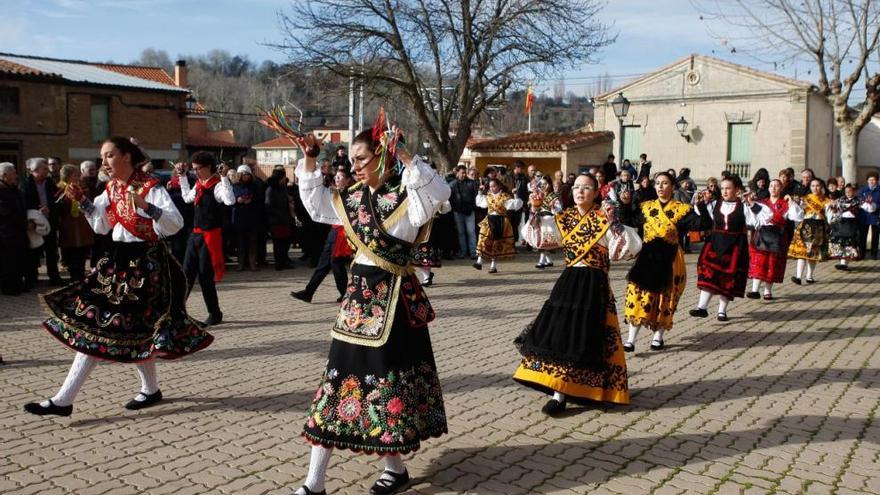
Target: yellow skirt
pixel 491 248
pixel 655 310
pixel 581 385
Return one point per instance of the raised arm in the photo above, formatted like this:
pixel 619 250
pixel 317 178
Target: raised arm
pixel 426 190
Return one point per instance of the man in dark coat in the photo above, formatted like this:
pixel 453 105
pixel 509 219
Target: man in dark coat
pixel 521 191
pixel 40 193
pixel 609 169
pixel 13 232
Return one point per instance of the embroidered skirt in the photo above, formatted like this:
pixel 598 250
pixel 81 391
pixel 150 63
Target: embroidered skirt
pixel 573 346
pixel 426 255
pixel 379 400
pixel 724 273
pixel 767 266
pixel 655 309
pixel 496 238
pixel 843 242
pixel 130 308
pixel 810 241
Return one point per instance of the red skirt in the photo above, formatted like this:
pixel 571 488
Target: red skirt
pixel 725 273
pixel 767 266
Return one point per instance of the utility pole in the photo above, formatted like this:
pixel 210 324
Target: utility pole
pixel 350 108
pixel 361 104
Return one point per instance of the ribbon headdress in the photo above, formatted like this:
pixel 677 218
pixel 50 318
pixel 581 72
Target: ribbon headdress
pixel 387 147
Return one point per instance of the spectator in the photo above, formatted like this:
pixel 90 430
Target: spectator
pixel 75 235
pixel 604 186
pixel 645 192
pixel 464 203
pixel 712 187
pixel 684 194
pixel 54 168
pixel 628 166
pixel 563 190
pixel 807 177
pixel 277 204
pixel 869 221
pixel 187 210
pixel 532 170
pixel 833 191
pixel 789 188
pixel 685 175
pixel 520 190
pixel 341 160
pixel 13 232
pixel 609 169
pixel 622 183
pixel 760 184
pixel 40 192
pixel 644 166
pixel 244 218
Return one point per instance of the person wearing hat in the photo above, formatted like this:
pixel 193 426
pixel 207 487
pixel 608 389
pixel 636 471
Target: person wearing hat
pixel 204 259
pixel 245 217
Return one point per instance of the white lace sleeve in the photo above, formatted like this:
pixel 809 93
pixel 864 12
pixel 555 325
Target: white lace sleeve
pixel 317 198
pixel 426 191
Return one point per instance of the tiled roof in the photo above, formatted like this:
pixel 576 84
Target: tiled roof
pixel 155 74
pixel 209 142
pixel 543 141
pixel 279 142
pixel 87 72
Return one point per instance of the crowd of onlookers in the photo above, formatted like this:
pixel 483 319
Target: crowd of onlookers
pixel 38 224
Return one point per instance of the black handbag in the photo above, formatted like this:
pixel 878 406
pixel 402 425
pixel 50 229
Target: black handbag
pixel 769 238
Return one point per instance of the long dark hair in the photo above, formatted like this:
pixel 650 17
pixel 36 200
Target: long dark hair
pixel 126 147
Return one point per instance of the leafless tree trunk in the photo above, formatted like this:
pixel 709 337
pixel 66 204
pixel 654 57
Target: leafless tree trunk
pixel 449 59
pixel 840 36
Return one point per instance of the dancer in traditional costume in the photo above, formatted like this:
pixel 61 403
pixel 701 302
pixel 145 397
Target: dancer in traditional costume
pixel 843 242
pixel 427 255
pixel 572 349
pixel 496 233
pixel 132 307
pixel 657 278
pixel 723 266
pixel 768 248
pixel 809 245
pixel 380 393
pixel 545 203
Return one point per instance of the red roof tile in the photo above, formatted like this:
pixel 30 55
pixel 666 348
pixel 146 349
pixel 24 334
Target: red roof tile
pixel 543 141
pixel 154 74
pixel 8 67
pixel 279 142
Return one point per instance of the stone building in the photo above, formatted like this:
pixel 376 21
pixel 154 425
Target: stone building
pixel 737 118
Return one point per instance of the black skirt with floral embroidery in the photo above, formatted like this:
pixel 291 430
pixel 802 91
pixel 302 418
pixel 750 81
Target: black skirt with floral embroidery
pixel 130 308
pixel 379 400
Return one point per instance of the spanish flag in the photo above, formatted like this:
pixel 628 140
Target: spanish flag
pixel 530 99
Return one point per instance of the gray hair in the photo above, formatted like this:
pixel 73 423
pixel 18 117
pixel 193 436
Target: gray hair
pixel 33 163
pixel 86 166
pixel 5 168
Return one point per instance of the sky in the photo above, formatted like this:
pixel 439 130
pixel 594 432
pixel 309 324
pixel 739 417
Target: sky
pixel 651 33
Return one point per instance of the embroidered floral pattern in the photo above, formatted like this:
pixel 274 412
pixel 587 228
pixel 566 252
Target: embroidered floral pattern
pixel 366 212
pixel 580 236
pixel 392 413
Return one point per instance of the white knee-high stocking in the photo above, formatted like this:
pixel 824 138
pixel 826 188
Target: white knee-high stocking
pixel 318 463
pixel 80 369
pixel 722 304
pixel 768 288
pixel 149 381
pixel 756 284
pixel 633 333
pixel 705 297
pixel 799 270
pixel 811 267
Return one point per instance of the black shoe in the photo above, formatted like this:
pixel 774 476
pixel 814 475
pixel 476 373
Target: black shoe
pixel 796 280
pixel 394 485
pixel 302 296
pixel 39 410
pixel 753 295
pixel 539 266
pixel 842 267
pixel 768 297
pixel 722 317
pixel 553 407
pixel 699 313
pixel 657 345
pixel 548 265
pixel 629 347
pixel 810 281
pixel 214 320
pixel 340 299
pixel 477 265
pixel 493 270
pixel 151 400
pixel 309 492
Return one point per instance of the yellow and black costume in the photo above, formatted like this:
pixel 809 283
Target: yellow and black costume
pixel 573 346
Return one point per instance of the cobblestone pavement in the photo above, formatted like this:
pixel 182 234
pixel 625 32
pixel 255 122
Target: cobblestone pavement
pixel 780 399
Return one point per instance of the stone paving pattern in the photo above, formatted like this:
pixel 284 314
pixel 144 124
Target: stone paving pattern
pixel 781 399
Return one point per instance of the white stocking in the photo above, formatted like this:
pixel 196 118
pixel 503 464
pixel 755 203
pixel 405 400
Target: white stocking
pixel 799 271
pixel 633 332
pixel 559 396
pixel 393 463
pixel 492 264
pixel 768 288
pixel 843 261
pixel 756 284
pixel 423 273
pixel 705 297
pixel 480 260
pixel 317 469
pixel 149 381
pixel 658 336
pixel 811 266
pixel 722 304
pixel 80 369
pixel 547 259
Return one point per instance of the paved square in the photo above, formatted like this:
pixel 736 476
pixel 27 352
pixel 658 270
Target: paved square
pixel 780 399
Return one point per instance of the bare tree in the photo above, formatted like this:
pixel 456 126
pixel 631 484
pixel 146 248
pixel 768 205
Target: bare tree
pixel 450 60
pixel 839 36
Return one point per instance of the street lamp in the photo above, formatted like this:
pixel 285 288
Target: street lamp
pixel 190 102
pixel 682 126
pixel 620 105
